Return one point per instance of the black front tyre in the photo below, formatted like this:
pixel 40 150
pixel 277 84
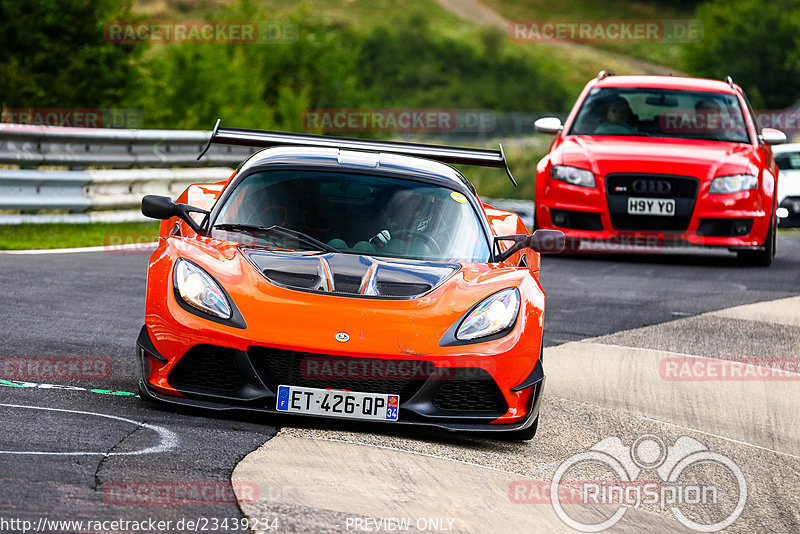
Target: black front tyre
pixel 760 258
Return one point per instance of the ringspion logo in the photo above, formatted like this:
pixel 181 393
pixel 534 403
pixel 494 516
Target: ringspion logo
pixel 690 478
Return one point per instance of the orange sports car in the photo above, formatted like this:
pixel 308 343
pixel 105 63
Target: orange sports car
pixel 347 278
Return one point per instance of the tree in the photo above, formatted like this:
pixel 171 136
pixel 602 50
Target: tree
pixel 53 54
pixel 756 43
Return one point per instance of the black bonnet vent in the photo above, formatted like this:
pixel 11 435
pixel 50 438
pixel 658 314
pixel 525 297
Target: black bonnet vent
pixel 350 274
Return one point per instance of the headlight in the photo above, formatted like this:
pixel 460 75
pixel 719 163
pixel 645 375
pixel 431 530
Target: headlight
pixel 494 314
pixel 572 175
pixel 198 289
pixel 733 184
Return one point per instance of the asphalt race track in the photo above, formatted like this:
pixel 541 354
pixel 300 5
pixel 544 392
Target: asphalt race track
pixel 68 448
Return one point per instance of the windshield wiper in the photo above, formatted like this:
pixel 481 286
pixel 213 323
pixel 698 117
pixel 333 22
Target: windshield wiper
pixel 281 230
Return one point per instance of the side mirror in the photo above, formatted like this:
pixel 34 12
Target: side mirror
pixel 160 207
pixel 542 241
pixel 772 136
pixel 548 125
pixel 547 241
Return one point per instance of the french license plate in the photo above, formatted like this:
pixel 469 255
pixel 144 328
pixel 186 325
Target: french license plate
pixel 338 403
pixel 651 206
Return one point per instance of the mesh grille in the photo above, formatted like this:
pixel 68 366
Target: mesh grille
pixel 367 375
pixel 394 289
pixel 477 393
pixel 207 367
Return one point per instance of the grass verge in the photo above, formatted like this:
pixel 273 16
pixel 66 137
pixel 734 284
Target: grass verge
pixel 47 236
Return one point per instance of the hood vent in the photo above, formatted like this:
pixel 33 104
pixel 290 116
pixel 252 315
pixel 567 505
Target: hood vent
pixel 350 274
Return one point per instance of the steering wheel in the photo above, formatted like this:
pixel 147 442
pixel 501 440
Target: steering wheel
pixel 433 245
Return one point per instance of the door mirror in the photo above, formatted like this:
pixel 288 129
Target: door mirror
pixel 548 125
pixel 160 207
pixel 771 136
pixel 542 241
pixel 547 241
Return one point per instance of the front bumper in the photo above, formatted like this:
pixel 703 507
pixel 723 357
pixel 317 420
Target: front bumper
pixel 599 215
pixel 220 378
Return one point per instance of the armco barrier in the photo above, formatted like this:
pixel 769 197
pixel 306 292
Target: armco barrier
pixel 108 147
pixel 113 193
pixel 27 190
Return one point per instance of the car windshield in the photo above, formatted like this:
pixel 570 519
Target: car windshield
pixel 352 213
pixel 661 113
pixel 788 161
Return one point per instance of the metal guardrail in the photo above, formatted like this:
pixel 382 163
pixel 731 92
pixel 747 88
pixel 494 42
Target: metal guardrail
pixel 113 194
pixel 107 147
pixel 26 190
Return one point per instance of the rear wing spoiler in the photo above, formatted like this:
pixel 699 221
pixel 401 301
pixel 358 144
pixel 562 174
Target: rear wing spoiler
pixel 444 154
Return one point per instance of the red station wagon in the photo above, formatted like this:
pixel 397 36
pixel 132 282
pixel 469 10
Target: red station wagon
pixel 660 161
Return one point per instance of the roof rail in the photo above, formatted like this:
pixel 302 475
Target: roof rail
pixel 444 154
pixel 604 73
pixel 730 81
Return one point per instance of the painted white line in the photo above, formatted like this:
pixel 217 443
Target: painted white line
pixel 143 247
pixel 784 311
pixel 690 429
pixel 751 369
pixel 752 410
pixel 63 387
pixel 167 442
pixel 725 438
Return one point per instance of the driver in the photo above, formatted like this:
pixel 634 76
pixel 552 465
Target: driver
pixel 619 118
pixel 405 224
